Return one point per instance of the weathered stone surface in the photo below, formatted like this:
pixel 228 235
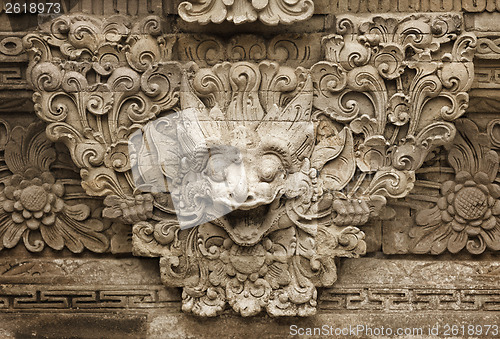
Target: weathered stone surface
pixel 83 325
pixel 270 12
pixel 453 206
pixel 253 164
pixel 296 166
pixel 395 231
pixel 415 294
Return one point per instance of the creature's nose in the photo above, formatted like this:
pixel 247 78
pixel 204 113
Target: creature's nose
pixel 250 198
pixel 239 193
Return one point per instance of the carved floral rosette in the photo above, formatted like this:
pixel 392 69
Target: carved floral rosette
pixel 41 200
pixel 466 213
pixel 322 145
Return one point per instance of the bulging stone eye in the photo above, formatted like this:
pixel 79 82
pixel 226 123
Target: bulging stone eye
pixel 216 167
pixel 221 157
pixel 270 166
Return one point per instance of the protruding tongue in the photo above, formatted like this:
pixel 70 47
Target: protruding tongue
pixel 248 226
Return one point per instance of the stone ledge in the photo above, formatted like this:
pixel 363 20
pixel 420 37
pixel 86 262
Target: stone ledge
pixel 158 325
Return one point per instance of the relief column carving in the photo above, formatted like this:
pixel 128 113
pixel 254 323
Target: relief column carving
pixel 249 175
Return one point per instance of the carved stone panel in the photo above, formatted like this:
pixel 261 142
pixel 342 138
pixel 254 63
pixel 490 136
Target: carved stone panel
pixel 466 214
pixel 248 173
pixel 36 205
pixel 270 12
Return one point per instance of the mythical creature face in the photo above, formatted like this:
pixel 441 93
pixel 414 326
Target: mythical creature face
pixel 253 179
pixel 232 168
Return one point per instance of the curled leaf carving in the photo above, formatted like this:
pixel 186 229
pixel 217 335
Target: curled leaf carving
pixel 466 214
pixel 270 12
pixel 33 204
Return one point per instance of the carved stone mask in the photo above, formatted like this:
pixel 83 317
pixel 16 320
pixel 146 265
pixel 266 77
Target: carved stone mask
pixel 215 163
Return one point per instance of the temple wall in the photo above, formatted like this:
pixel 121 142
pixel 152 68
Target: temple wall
pixel 383 210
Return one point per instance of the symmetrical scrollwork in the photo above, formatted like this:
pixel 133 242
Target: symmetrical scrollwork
pixel 278 243
pixel 293 49
pixel 385 78
pixel 277 164
pixel 270 12
pixel 121 80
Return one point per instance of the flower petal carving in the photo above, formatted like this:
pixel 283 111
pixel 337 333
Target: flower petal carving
pixel 33 199
pixel 465 216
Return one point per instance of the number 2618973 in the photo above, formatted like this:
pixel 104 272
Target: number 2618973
pixel 33 8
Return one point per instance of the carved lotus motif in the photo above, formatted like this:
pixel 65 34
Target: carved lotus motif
pixel 32 200
pixel 467 215
pixel 470 209
pixel 473 203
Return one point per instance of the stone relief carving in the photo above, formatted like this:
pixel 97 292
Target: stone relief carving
pixel 309 152
pixel 270 12
pixel 293 49
pixel 466 214
pixel 37 205
pixel 15 96
pixel 488 46
pixel 273 11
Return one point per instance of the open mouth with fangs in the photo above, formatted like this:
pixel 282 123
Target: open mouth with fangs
pixel 246 227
